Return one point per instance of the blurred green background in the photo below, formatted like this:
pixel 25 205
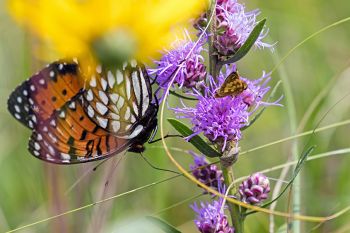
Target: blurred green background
pixel 31 190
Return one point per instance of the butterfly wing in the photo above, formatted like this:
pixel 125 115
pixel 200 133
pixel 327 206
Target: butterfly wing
pixel 70 127
pixel 232 85
pixel 37 98
pixel 118 100
pixel 69 136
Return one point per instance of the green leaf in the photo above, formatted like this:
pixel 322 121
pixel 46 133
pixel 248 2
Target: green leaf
pixel 196 141
pixel 181 96
pixel 244 49
pixel 256 116
pixel 166 227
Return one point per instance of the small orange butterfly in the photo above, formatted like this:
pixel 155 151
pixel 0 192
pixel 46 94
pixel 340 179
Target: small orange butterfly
pixel 232 85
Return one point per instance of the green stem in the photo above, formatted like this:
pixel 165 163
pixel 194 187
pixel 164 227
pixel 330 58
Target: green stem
pixel 235 210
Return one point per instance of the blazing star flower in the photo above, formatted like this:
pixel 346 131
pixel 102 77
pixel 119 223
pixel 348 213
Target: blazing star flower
pixel 207 174
pixel 71 27
pixel 211 217
pixel 255 189
pixel 221 119
pixel 233 26
pixel 192 70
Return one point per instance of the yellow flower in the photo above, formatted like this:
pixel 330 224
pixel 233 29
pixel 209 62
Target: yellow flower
pixel 74 28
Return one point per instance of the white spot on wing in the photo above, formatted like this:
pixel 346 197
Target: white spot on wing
pixel 136 84
pixel 120 102
pixel 115 126
pixel 99 69
pixel 103 84
pixel 42 81
pixel 25 92
pixel 136 132
pixel 91 111
pixel 17 116
pixel 72 105
pixel 119 77
pixel 125 64
pixel 32 87
pixel 93 81
pixel 36 153
pixel 62 114
pixel 36 146
pixel 101 108
pixel 111 79
pixel 17 108
pixel 102 122
pixel 65 156
pixel 127 113
pixel 89 95
pixel 52 74
pixel 145 95
pixel 103 97
pixel 114 116
pixel 133 63
pixel 19 99
pixel 60 66
pixel 114 97
pixel 128 88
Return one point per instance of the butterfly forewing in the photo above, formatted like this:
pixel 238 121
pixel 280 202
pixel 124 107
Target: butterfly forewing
pixel 232 85
pixel 49 89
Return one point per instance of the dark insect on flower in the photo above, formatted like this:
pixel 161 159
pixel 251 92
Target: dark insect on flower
pixel 232 85
pixel 74 120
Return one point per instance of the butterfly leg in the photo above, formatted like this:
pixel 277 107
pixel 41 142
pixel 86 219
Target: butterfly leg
pixel 157 168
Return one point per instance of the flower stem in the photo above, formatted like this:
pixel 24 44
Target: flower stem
pixel 235 210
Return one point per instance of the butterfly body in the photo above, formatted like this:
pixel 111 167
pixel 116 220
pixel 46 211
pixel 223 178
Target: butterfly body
pixel 232 85
pixel 76 119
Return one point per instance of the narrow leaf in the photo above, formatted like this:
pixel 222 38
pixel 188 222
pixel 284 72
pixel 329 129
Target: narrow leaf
pixel 166 227
pixel 196 141
pixel 244 49
pixel 181 96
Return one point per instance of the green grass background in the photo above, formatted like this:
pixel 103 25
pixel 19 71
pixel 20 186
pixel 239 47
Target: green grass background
pixel 31 190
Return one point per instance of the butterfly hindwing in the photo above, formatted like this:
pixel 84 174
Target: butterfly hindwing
pixel 69 136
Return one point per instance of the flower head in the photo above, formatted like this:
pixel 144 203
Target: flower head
pixel 70 27
pixel 233 26
pixel 185 55
pixel 207 174
pixel 211 218
pixel 221 119
pixel 255 189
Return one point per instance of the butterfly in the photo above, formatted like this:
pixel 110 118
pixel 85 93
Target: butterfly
pixel 76 119
pixel 232 85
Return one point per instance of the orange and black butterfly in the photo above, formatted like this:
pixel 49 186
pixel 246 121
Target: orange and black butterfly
pixel 74 121
pixel 232 85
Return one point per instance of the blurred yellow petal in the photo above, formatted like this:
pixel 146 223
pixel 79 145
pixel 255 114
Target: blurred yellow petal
pixel 72 26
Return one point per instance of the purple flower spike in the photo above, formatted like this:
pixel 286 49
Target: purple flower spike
pixel 209 175
pixel 192 70
pixel 233 26
pixel 221 119
pixel 255 189
pixel 211 218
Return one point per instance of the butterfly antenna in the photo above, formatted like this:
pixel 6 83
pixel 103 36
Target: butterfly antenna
pixel 157 168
